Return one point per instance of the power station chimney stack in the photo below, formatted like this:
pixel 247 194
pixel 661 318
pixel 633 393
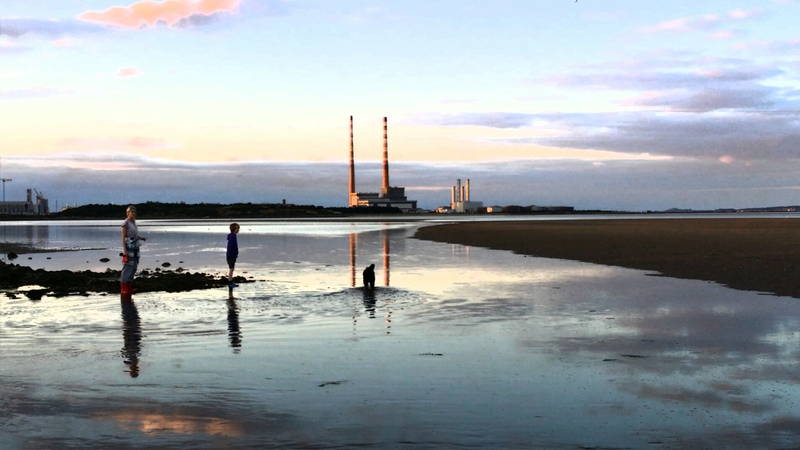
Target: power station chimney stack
pixel 459 195
pixel 385 190
pixel 466 197
pixel 352 165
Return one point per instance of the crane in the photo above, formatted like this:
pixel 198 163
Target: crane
pixel 4 188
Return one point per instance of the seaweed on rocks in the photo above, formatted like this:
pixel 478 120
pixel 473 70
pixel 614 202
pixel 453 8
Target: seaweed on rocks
pixel 61 283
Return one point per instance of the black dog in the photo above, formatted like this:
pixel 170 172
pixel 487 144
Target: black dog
pixel 369 277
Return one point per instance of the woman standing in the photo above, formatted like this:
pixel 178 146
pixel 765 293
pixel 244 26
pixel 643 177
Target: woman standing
pixel 131 241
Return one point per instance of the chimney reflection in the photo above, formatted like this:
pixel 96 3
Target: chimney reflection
pixel 131 336
pixel 386 257
pixel 353 241
pixel 353 250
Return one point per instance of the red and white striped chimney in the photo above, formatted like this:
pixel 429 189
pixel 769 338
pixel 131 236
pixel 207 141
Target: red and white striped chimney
pixel 385 189
pixel 352 164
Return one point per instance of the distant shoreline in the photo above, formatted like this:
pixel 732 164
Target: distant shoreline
pixel 751 254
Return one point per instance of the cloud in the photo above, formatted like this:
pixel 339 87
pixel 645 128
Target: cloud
pixel 132 143
pixel 16 28
pixel 772 135
pixel 682 76
pixel 700 23
pixel 13 47
pixel 750 97
pixel 169 12
pixel 33 92
pixel 492 120
pixel 126 72
pixel 94 177
pixel 724 34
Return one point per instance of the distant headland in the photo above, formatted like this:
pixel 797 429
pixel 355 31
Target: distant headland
pixel 182 210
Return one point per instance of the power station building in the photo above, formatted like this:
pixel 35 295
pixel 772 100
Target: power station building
pixel 459 199
pixel 390 196
pixel 27 207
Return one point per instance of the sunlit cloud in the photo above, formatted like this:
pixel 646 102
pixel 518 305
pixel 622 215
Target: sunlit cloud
pixel 169 12
pixel 66 42
pixel 128 72
pixel 133 144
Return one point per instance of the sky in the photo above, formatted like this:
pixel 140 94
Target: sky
pixel 592 104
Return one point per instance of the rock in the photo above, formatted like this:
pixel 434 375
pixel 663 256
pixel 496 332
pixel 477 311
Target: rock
pixel 166 264
pixel 102 260
pixel 12 255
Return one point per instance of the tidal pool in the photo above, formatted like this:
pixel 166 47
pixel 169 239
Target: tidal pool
pixel 456 347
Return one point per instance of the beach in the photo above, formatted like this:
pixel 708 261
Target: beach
pixel 750 254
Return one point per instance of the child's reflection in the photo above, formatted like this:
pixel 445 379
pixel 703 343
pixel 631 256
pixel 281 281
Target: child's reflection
pixel 234 333
pixel 131 336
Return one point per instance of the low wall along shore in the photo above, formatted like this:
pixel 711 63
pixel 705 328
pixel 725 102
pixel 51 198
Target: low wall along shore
pixel 742 253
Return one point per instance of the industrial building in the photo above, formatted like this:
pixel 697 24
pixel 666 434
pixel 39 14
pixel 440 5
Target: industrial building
pixel 460 201
pixel 27 207
pixel 390 196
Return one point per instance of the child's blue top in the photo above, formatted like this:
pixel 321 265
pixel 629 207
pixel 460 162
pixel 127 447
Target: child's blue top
pixel 233 247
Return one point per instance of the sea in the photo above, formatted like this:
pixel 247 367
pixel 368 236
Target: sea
pixel 456 347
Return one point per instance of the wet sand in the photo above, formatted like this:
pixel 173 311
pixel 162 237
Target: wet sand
pixel 742 253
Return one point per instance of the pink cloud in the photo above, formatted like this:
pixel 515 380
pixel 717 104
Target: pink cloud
pixel 65 42
pixel 723 34
pixel 742 14
pixel 117 144
pixel 128 72
pixel 726 159
pixel 671 25
pixel 150 13
pixel 701 23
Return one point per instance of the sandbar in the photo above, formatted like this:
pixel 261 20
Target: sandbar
pixel 752 254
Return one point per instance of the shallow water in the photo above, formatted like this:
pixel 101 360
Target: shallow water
pixel 457 347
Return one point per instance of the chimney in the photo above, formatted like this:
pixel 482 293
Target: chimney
pixel 385 190
pixel 459 197
pixel 453 197
pixel 466 198
pixel 352 165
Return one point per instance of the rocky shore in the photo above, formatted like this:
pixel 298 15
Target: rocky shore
pixel 60 283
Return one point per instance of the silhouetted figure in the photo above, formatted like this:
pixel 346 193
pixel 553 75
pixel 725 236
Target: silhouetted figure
pixel 131 336
pixel 369 277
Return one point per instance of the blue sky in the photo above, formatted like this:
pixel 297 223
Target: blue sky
pixel 597 105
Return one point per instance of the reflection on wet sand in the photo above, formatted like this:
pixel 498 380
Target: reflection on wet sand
pixel 385 257
pixel 353 245
pixel 131 336
pixel 369 302
pixel 546 354
pixel 156 423
pixel 234 332
pixel 354 249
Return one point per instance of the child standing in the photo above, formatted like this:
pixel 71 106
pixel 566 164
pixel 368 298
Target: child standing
pixel 232 253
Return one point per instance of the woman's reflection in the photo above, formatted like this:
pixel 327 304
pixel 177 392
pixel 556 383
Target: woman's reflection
pixel 234 333
pixel 131 336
